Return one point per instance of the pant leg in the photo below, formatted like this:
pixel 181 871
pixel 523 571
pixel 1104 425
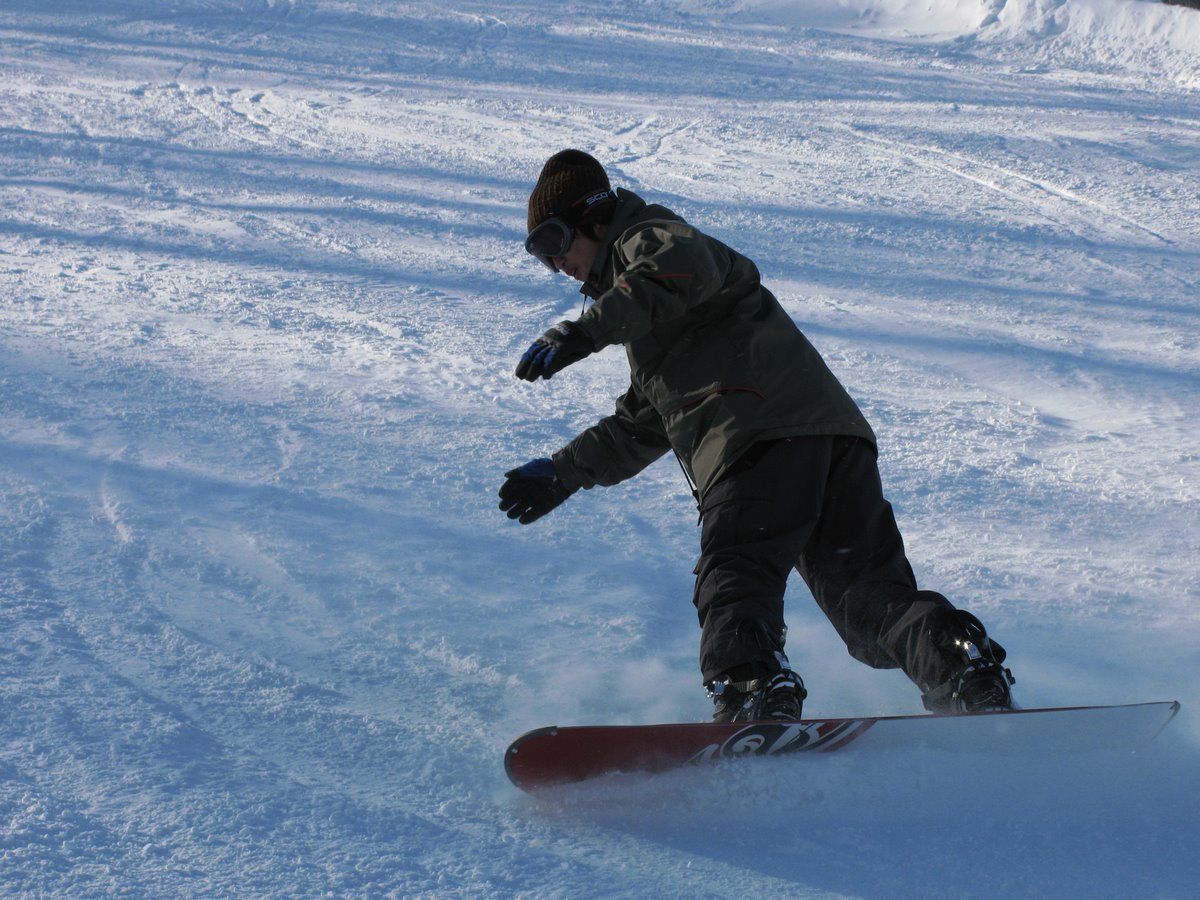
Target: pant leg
pixel 856 568
pixel 815 503
pixel 755 521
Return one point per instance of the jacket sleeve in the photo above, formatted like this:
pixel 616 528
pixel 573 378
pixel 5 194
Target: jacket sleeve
pixel 669 270
pixel 615 448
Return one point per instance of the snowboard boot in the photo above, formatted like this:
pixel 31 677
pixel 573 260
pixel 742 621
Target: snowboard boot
pixel 980 682
pixel 751 693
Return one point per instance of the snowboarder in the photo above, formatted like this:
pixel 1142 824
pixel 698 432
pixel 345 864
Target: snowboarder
pixel 779 457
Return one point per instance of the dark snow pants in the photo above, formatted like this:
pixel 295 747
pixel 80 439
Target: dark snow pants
pixel 816 504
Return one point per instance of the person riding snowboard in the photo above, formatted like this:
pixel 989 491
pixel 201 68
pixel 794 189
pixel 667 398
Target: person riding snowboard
pixel 780 458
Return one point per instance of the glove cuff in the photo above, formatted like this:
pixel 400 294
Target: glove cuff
pixel 594 338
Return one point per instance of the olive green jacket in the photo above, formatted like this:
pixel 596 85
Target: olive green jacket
pixel 716 364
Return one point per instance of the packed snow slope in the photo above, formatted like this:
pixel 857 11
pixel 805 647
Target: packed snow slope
pixel 263 631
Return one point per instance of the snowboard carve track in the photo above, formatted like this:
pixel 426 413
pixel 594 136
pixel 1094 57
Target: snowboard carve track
pixel 1057 205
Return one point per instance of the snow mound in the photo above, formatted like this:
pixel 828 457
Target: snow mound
pixel 1101 35
pixel 1107 36
pixel 936 19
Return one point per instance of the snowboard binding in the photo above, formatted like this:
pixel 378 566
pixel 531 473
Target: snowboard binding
pixel 980 682
pixel 754 695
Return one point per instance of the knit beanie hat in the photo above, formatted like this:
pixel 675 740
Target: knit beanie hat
pixel 574 187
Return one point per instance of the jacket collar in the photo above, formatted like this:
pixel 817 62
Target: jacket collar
pixel 629 205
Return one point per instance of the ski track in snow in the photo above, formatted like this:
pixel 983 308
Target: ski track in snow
pixel 263 631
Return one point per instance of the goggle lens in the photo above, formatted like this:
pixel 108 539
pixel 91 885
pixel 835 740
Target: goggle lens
pixel 550 239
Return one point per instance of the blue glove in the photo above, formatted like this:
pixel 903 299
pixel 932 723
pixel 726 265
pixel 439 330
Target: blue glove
pixel 531 491
pixel 564 344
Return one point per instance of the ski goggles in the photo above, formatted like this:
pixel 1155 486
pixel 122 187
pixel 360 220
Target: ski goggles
pixel 550 239
pixel 553 237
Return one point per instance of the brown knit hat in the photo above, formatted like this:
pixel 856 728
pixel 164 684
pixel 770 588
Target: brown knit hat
pixel 572 186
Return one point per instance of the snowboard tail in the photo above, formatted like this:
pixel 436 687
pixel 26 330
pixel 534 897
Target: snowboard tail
pixel 554 755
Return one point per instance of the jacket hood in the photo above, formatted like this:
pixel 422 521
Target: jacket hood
pixel 631 210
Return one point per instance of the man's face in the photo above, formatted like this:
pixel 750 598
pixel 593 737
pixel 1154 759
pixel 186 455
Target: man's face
pixel 579 258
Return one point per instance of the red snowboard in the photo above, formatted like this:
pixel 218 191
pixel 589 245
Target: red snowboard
pixel 555 755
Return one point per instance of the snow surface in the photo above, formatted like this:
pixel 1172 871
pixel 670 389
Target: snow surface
pixel 262 629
